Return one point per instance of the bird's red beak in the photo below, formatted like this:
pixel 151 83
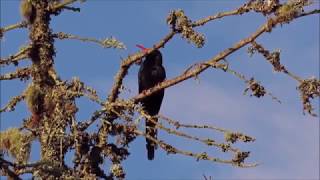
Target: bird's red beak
pixel 142 48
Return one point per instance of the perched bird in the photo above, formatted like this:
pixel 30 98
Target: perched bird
pixel 151 72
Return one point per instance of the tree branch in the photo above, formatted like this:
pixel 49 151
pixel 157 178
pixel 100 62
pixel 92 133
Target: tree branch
pixel 133 58
pixel 238 162
pixel 243 9
pixel 177 124
pixel 62 5
pixel 208 142
pixel 13 102
pixel 14 59
pixel 22 73
pixel 22 24
pixel 106 43
pixel 267 27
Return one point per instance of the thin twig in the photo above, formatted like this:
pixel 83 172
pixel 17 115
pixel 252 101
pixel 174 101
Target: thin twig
pixel 61 5
pixel 177 124
pixel 273 60
pixel 207 19
pixel 13 102
pixel 106 43
pixel 14 59
pixel 72 8
pixel 209 142
pixel 22 24
pixel 247 81
pixel 22 73
pixel 198 156
pixel 20 166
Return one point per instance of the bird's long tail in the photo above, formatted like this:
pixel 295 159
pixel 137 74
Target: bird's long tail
pixel 151 131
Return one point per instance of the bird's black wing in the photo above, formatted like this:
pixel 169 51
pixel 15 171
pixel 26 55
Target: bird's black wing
pixel 147 78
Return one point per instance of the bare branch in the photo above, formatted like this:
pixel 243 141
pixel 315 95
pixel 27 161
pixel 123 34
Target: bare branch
pixel 106 43
pixel 239 11
pixel 198 156
pixel 14 59
pixel 316 11
pixel 96 115
pixel 13 102
pixel 208 141
pixel 63 5
pixel 6 171
pixel 239 136
pixel 177 124
pixel 21 73
pixel 22 24
pixel 72 8
pixel 20 166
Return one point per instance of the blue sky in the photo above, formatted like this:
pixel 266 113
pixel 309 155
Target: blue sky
pixel 287 144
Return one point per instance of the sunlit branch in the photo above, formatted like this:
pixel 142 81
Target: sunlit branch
pixel 22 24
pixel 177 124
pixel 21 73
pixel 208 141
pixel 14 59
pixel 13 102
pixel 198 156
pixel 19 166
pixel 30 168
pixel 63 5
pixel 106 43
pixel 96 115
pixel 243 9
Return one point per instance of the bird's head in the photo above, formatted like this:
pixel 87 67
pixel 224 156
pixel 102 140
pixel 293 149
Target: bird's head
pixel 154 57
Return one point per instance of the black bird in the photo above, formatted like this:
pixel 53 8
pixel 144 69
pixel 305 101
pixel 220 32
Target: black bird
pixel 151 72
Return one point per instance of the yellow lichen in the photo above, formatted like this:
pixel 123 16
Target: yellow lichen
pixel 34 98
pixel 27 10
pixel 16 143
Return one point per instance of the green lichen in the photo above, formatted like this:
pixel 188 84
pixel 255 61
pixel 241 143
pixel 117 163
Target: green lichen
pixel 16 143
pixel 180 22
pixel 27 10
pixel 34 98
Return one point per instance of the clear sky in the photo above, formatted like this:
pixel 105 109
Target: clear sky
pixel 287 144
